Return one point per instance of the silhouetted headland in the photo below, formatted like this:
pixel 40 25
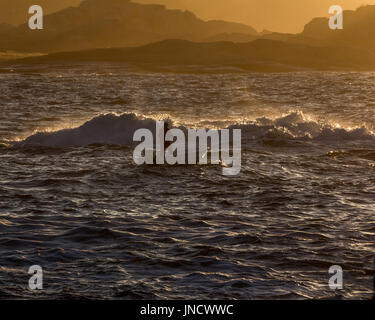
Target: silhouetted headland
pixel 259 55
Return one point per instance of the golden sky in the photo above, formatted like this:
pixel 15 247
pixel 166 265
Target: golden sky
pixel 274 15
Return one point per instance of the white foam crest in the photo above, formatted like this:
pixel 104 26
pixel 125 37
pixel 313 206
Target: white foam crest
pixel 297 126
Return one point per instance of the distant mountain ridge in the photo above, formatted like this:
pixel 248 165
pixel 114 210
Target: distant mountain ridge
pixel 185 56
pixel 114 23
pixel 141 35
pixel 286 16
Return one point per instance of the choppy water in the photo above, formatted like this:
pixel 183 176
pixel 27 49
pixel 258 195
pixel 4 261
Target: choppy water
pixel 102 227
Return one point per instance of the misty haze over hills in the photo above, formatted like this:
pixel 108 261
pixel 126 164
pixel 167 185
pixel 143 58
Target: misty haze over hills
pixel 113 23
pixel 15 12
pixel 287 16
pixel 98 24
pixel 282 16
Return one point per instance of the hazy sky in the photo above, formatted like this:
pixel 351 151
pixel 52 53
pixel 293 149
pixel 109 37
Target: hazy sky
pixel 274 15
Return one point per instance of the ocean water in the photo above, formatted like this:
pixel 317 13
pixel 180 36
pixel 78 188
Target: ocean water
pixel 73 201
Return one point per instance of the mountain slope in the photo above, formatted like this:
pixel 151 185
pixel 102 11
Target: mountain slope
pixel 359 27
pixel 358 31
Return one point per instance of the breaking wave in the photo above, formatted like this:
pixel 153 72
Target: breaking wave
pixel 110 129
pixel 296 126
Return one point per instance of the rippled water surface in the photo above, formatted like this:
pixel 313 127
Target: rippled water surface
pixel 74 202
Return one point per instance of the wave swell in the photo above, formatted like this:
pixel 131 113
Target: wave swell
pixel 110 129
